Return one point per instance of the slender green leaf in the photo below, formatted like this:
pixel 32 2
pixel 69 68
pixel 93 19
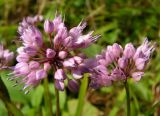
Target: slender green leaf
pixel 81 97
pixel 37 96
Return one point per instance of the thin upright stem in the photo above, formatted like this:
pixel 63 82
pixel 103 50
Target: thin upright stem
pixel 57 102
pixel 57 95
pixel 81 97
pixel 128 97
pixel 47 97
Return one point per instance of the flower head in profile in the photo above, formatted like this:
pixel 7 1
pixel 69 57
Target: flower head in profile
pixel 37 57
pixel 6 57
pixel 116 63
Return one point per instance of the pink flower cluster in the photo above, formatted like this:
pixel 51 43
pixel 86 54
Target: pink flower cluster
pixel 37 57
pixel 116 63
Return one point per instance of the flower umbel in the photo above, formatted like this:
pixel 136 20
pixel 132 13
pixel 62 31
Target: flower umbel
pixel 116 63
pixel 36 58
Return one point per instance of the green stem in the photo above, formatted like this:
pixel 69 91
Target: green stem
pixel 128 97
pixel 47 98
pixel 57 96
pixel 82 93
pixel 57 103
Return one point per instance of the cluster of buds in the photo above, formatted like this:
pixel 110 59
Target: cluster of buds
pixel 116 63
pixel 36 58
pixel 29 21
pixel 5 57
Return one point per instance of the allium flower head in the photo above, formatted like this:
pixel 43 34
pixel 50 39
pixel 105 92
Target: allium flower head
pixel 116 63
pixel 36 58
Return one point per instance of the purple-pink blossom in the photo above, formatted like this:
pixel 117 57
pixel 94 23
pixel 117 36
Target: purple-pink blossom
pixel 116 63
pixel 38 57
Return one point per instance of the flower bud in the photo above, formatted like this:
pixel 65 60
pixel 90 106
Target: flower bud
pixel 68 41
pixel 116 50
pixel 32 37
pixel 31 80
pixel 61 27
pixel 73 86
pixel 60 36
pixel 129 51
pixel 75 32
pixel 22 68
pixel 50 53
pixel 137 75
pixel 70 63
pixel 110 53
pixel 30 50
pixel 32 74
pixel 37 37
pixel 57 21
pixel 137 54
pixel 22 57
pixel 78 59
pixel 84 41
pixel 40 74
pixel 109 58
pixel 123 62
pixel 62 54
pixel 48 26
pixel 47 66
pixel 59 85
pixel 145 50
pixel 140 63
pixel 33 65
pixel 60 75
pixel 77 73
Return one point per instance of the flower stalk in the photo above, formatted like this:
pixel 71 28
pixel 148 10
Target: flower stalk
pixel 47 98
pixel 126 85
pixel 57 102
pixel 81 97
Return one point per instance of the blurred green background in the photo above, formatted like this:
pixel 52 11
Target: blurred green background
pixel 118 21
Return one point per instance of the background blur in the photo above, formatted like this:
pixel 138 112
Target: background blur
pixel 118 21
